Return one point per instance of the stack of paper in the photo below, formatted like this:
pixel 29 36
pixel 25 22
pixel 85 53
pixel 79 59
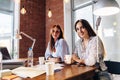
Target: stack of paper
pixel 33 71
pixel 27 72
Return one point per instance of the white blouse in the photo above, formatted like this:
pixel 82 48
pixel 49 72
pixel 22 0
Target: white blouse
pixel 89 55
pixel 61 47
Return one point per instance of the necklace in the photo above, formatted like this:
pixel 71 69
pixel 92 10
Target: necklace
pixel 54 50
pixel 84 45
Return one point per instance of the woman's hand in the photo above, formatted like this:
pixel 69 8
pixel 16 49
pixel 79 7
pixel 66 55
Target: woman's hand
pixel 75 58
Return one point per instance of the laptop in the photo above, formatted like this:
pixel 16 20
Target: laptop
pixel 13 63
pixel 5 53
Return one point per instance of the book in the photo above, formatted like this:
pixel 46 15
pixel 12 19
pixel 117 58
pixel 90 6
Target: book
pixel 27 72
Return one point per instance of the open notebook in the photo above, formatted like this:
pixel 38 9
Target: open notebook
pixel 33 71
pixel 27 72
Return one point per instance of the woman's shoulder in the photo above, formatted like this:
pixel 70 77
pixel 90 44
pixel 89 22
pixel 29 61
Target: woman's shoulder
pixel 78 41
pixel 95 38
pixel 62 40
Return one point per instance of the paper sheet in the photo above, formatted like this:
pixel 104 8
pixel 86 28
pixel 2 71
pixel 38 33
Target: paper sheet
pixel 33 71
pixel 27 72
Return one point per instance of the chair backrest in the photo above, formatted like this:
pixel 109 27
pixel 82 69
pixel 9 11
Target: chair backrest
pixel 5 53
pixel 113 67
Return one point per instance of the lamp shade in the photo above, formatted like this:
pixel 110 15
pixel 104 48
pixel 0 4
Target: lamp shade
pixel 106 7
pixel 18 36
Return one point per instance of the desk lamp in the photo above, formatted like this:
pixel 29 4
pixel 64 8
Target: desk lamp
pixel 106 7
pixel 18 36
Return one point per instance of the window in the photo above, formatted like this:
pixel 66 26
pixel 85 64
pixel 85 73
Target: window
pixel 7 26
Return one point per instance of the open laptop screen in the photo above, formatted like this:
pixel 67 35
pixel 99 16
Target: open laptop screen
pixel 5 53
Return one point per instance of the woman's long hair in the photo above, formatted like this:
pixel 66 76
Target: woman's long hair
pixel 87 26
pixel 52 42
pixel 89 29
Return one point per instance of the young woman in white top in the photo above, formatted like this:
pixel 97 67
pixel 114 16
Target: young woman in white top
pixel 85 51
pixel 57 46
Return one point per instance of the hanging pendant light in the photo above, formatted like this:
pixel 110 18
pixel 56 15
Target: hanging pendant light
pixel 106 7
pixel 23 11
pixel 49 13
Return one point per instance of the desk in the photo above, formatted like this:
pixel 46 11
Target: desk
pixel 69 72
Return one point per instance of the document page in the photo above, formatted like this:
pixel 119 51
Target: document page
pixel 27 72
pixel 33 71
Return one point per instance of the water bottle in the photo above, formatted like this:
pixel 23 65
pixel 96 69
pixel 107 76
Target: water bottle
pixel 0 64
pixel 30 57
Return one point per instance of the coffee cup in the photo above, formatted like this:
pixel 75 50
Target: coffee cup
pixel 68 59
pixel 49 68
pixel 41 60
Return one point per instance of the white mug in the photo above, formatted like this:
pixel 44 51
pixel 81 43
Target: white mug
pixel 41 60
pixel 68 59
pixel 49 68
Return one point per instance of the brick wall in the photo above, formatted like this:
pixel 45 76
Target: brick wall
pixel 33 24
pixel 37 24
pixel 56 7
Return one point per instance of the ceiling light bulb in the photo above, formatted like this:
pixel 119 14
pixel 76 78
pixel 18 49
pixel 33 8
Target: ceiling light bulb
pixel 49 13
pixel 23 11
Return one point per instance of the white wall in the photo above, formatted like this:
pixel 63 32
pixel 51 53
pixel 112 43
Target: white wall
pixel 67 23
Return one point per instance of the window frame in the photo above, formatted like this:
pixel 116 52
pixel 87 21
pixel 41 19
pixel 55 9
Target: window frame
pixel 13 46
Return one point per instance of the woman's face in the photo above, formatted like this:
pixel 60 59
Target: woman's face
pixel 81 31
pixel 55 33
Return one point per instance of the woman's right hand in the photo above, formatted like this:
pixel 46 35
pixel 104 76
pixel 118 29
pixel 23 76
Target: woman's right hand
pixel 75 58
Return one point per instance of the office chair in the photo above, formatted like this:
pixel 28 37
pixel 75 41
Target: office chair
pixel 113 67
pixel 5 53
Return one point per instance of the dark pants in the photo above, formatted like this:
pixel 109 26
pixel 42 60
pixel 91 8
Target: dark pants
pixel 102 75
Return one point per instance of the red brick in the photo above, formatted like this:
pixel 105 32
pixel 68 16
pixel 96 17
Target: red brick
pixel 37 24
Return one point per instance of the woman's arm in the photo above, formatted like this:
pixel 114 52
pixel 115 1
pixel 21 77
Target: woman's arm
pixel 77 59
pixel 64 49
pixel 47 52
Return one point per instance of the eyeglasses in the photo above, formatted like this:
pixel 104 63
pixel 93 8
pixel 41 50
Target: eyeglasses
pixel 57 31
